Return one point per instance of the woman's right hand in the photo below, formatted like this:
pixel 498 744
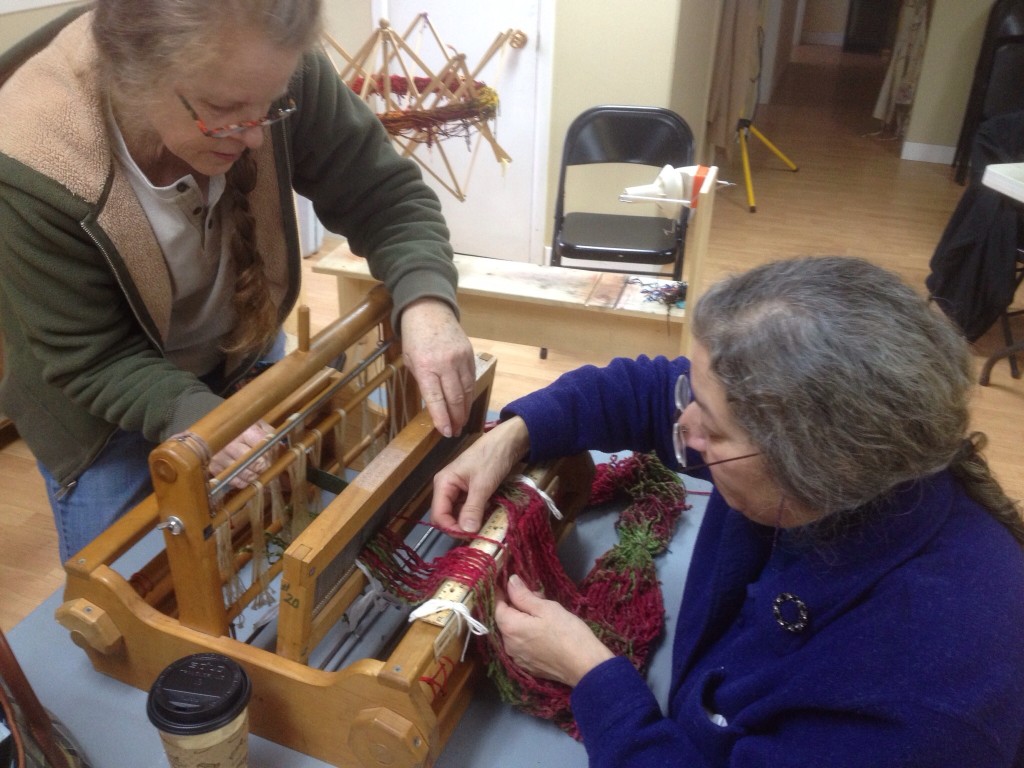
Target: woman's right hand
pixel 463 488
pixel 253 438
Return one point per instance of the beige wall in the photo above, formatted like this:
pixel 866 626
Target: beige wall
pixel 824 21
pixel 20 23
pixel 606 53
pixel 955 33
pixel 349 22
pixel 691 72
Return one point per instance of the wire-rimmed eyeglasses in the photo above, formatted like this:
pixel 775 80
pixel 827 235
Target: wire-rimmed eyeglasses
pixel 275 115
pixel 684 396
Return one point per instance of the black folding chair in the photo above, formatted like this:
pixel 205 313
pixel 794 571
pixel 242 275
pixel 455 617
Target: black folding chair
pixel 639 244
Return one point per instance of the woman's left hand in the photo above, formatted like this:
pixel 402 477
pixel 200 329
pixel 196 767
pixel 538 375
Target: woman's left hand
pixel 545 639
pixel 441 358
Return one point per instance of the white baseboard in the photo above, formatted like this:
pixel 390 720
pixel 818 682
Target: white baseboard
pixel 928 153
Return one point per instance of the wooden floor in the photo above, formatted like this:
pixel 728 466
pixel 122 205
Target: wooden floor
pixel 852 195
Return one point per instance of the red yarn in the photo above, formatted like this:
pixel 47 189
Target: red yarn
pixel 399 85
pixel 620 598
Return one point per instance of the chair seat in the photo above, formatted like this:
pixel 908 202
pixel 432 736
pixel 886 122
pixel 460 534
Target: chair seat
pixel 611 237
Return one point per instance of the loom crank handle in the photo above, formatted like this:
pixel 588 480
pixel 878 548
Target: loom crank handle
pixel 90 626
pixel 382 737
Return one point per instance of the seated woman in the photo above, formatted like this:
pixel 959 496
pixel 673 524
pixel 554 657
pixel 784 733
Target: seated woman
pixel 856 593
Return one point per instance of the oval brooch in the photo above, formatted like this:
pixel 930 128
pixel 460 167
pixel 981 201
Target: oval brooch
pixel 790 612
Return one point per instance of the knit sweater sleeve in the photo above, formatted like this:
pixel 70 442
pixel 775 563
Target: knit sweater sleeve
pixel 627 405
pixel 363 189
pixel 621 724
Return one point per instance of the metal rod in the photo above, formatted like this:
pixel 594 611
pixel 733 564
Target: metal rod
pixel 296 419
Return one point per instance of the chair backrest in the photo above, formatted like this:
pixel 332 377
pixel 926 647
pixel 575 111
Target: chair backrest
pixel 624 134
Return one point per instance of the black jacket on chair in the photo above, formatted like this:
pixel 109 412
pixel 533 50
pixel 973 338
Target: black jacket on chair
pixel 972 269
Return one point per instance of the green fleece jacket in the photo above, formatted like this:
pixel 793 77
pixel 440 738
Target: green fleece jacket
pixel 85 293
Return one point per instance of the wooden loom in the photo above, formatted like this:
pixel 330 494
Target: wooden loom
pixel 396 706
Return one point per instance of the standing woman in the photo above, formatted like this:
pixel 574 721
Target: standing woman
pixel 148 241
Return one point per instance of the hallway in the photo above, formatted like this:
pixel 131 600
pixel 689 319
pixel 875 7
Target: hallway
pixel 852 194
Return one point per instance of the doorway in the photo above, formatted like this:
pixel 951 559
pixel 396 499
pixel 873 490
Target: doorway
pixel 871 26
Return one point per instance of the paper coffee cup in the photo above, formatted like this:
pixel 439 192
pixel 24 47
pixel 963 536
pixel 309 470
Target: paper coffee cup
pixel 199 704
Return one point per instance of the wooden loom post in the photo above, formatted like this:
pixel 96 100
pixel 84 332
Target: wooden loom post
pixel 179 482
pixel 179 469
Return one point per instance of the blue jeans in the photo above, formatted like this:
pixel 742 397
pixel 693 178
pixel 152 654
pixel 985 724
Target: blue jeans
pixel 112 485
pixel 116 482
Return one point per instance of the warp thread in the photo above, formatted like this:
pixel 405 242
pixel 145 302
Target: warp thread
pixel 620 598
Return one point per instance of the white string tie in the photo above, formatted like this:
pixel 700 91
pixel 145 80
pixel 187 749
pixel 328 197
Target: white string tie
pixel 525 480
pixel 461 613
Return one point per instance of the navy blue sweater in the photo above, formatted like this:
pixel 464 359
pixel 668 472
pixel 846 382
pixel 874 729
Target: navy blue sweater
pixel 913 649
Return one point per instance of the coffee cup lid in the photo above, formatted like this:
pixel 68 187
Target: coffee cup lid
pixel 197 694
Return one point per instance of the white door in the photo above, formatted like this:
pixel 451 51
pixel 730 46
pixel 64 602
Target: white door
pixel 502 214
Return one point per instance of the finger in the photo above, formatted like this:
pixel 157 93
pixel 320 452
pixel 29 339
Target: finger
pixel 458 399
pixel 447 495
pixel 437 408
pixel 444 518
pixel 471 517
pixel 458 391
pixel 521 596
pixel 504 613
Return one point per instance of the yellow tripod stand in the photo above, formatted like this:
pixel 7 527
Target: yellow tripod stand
pixel 743 127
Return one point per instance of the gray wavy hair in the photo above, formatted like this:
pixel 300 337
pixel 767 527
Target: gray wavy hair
pixel 845 378
pixel 142 41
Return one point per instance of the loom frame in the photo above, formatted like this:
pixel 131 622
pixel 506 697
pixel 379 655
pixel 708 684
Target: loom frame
pixel 372 712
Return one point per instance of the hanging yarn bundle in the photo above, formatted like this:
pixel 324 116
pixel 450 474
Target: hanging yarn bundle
pixel 620 598
pixel 453 118
pixel 398 85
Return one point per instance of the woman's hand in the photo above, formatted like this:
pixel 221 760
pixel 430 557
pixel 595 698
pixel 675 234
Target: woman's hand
pixel 463 488
pixel 545 639
pixel 254 437
pixel 441 358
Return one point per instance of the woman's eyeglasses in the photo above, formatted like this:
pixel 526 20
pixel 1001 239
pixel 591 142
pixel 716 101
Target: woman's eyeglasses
pixel 683 398
pixel 275 115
